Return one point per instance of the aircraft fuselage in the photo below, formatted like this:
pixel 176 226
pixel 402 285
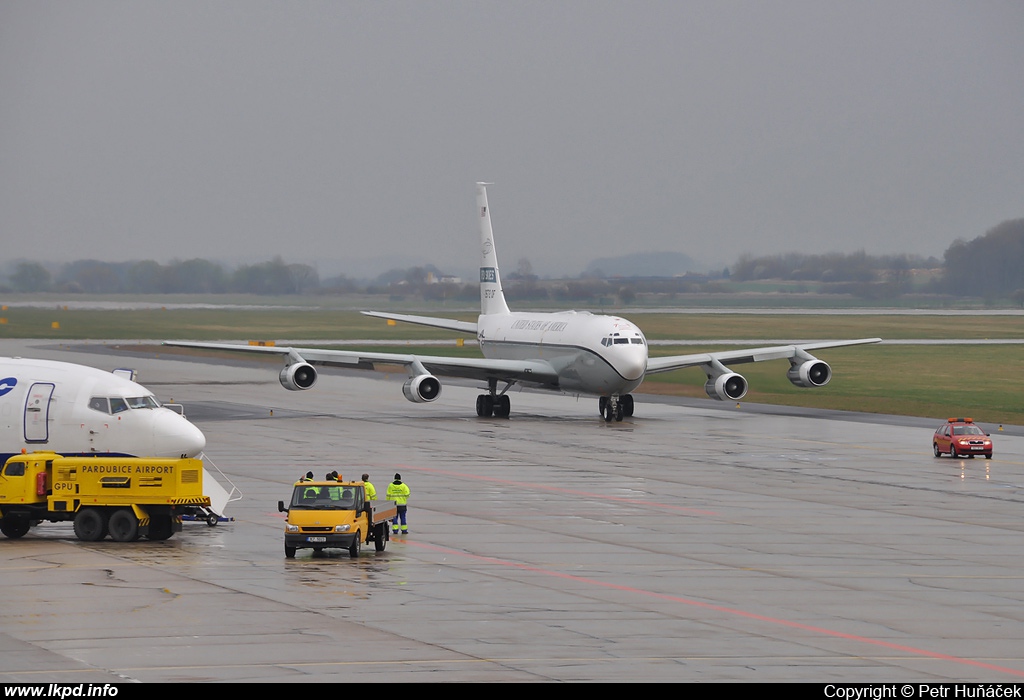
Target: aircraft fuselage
pixel 76 410
pixel 592 354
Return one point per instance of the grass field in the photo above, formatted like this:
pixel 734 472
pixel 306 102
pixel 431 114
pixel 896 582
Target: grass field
pixel 984 381
pixel 281 324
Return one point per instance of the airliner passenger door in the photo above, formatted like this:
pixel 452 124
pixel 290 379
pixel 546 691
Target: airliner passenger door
pixel 37 412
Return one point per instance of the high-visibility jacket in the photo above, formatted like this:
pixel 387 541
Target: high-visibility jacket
pixel 398 492
pixel 371 493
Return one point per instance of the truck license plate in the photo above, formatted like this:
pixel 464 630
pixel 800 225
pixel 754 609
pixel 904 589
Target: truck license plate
pixel 316 539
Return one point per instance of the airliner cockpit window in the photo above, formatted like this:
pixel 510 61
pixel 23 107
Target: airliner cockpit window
pixel 117 405
pixel 637 341
pixel 99 403
pixel 622 341
pixel 143 402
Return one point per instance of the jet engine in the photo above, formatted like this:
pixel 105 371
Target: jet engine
pixel 298 376
pixel 726 386
pixel 811 373
pixel 422 388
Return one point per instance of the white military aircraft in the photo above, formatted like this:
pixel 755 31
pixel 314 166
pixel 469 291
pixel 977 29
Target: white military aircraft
pixel 574 352
pixel 77 411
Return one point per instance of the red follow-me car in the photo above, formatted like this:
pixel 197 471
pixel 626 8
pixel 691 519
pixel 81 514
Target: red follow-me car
pixel 960 437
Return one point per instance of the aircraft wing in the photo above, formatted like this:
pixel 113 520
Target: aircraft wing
pixel 446 323
pixel 736 357
pixel 532 371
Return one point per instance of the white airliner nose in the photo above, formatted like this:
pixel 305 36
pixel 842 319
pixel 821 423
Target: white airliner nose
pixel 174 436
pixel 631 363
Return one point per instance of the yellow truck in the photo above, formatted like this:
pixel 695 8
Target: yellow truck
pixel 334 514
pixel 125 497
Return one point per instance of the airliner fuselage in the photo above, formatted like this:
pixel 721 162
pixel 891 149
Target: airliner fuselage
pixel 76 410
pixel 601 355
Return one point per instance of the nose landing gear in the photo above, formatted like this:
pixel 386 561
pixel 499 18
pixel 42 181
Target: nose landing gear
pixel 615 407
pixel 493 403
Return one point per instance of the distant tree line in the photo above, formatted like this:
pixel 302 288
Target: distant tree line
pixel 990 266
pixel 831 267
pixel 150 277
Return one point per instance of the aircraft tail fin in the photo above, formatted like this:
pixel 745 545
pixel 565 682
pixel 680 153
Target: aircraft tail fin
pixel 492 299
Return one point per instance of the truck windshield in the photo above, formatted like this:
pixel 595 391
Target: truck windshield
pixel 325 497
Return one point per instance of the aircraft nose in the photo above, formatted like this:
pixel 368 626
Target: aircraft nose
pixel 174 436
pixel 633 364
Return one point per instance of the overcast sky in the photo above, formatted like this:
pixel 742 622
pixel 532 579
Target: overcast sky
pixel 344 131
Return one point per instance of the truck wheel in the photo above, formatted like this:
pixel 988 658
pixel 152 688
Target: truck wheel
pixel 124 526
pixel 90 525
pixel 160 528
pixel 353 551
pixel 380 540
pixel 14 527
pixel 289 552
pixel 212 520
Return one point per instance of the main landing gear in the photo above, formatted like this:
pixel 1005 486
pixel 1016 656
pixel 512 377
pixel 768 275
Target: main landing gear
pixel 492 403
pixel 615 407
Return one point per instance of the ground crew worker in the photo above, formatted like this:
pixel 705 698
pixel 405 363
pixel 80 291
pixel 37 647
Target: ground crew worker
pixel 399 493
pixel 371 492
pixel 307 477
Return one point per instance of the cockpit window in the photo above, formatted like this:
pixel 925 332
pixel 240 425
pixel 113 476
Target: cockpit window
pixel 143 402
pixel 616 340
pixel 116 404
